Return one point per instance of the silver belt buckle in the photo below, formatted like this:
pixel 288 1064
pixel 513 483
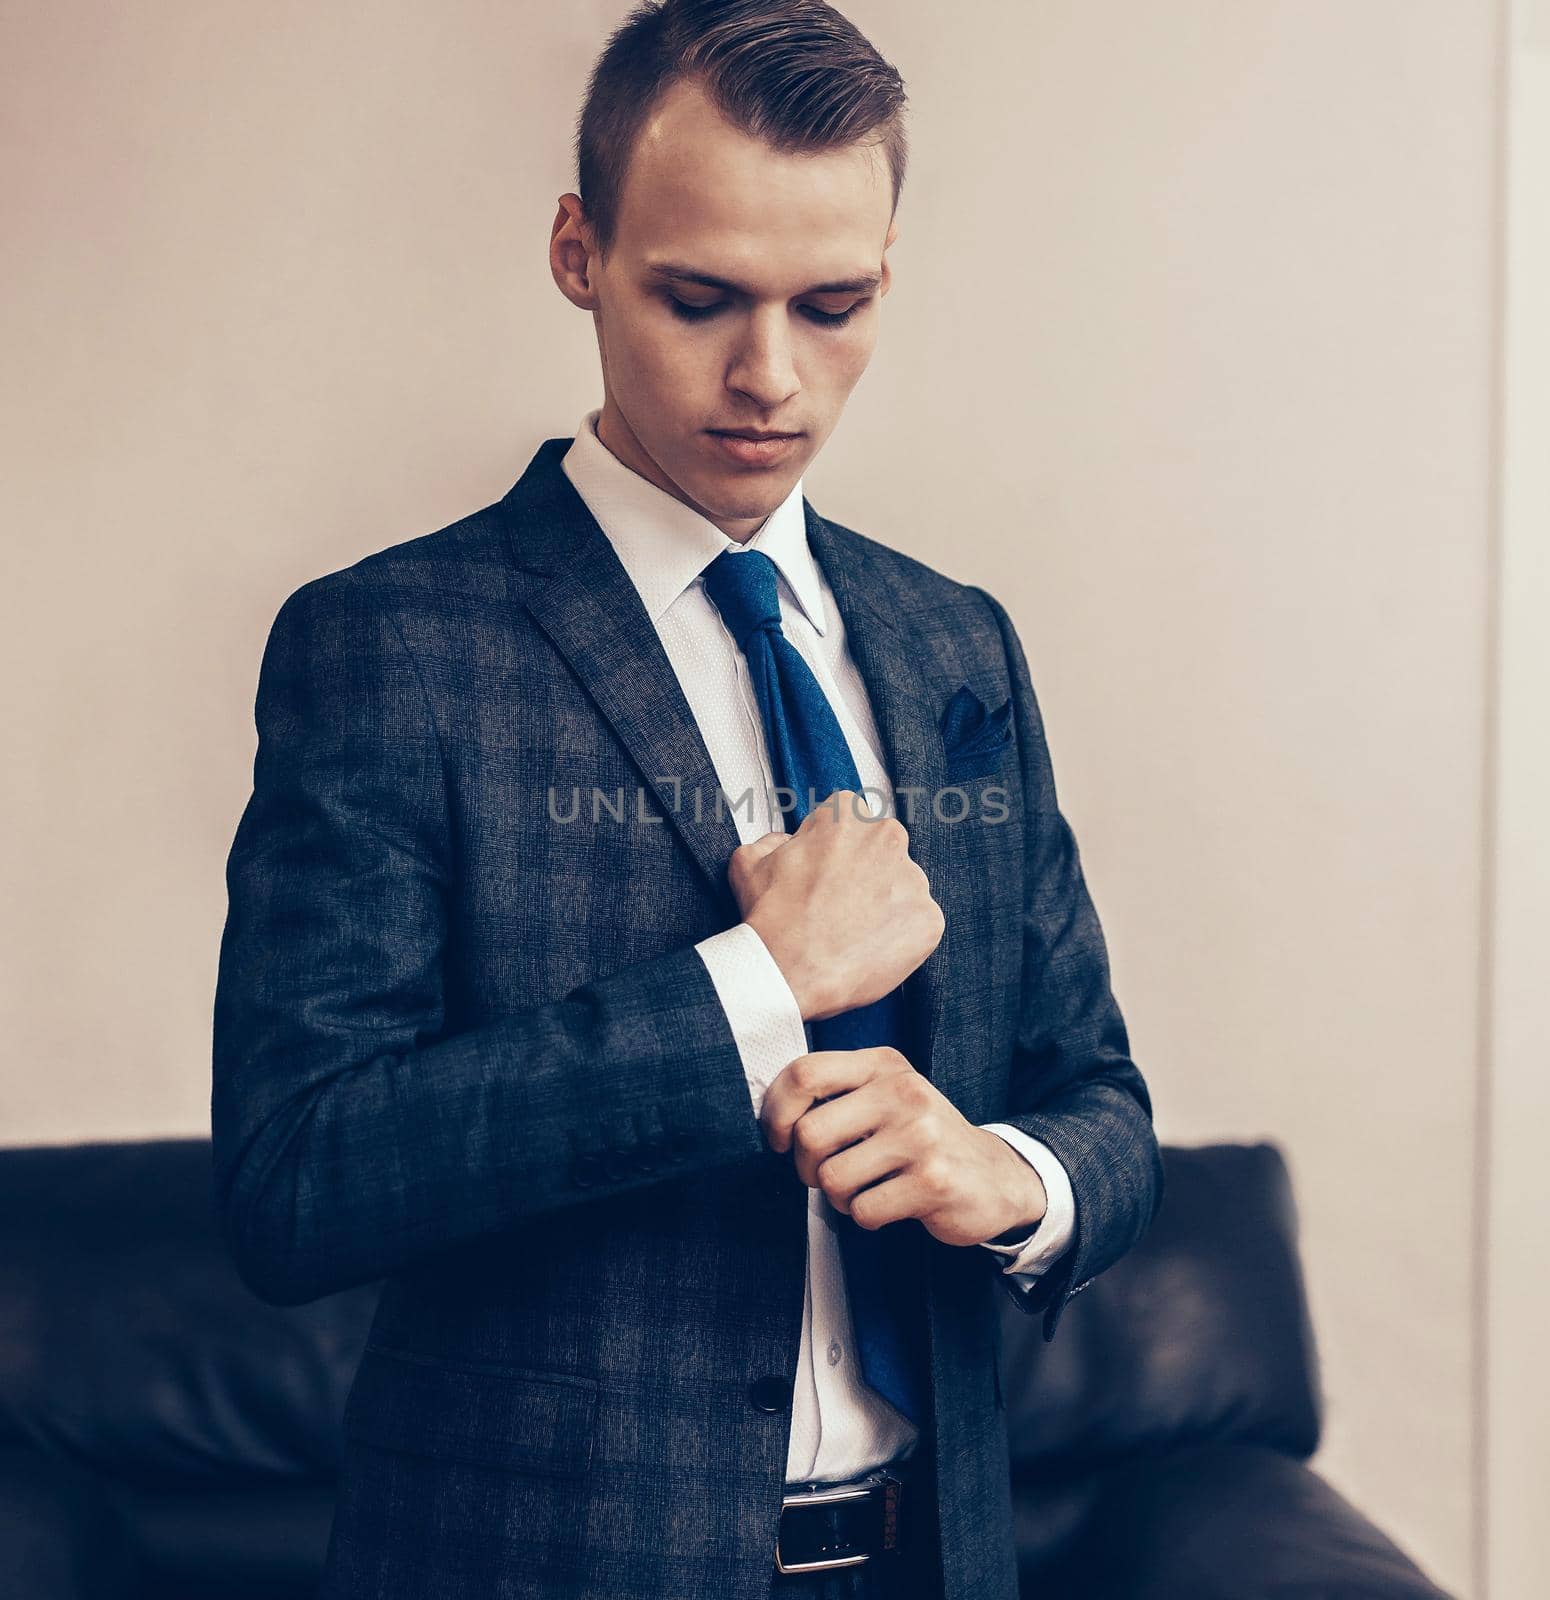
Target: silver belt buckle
pixel 840 1494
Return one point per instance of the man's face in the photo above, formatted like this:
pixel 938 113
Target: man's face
pixel 769 348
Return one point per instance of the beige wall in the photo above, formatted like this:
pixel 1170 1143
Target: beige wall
pixel 1193 328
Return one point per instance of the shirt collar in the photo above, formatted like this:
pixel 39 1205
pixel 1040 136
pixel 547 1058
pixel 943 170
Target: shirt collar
pixel 664 544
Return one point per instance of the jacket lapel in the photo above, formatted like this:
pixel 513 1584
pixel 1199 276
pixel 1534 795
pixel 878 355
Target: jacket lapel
pixel 581 596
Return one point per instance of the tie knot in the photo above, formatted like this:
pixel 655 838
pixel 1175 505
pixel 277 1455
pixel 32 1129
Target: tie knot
pixel 741 585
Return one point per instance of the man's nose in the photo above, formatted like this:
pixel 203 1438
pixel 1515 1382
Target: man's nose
pixel 764 369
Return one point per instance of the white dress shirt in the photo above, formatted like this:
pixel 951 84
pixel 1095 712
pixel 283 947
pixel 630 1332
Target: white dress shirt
pixel 840 1426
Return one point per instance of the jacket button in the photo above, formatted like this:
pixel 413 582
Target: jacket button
pixel 770 1393
pixel 586 1171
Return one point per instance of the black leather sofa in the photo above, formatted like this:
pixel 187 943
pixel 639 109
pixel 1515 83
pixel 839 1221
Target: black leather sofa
pixel 165 1435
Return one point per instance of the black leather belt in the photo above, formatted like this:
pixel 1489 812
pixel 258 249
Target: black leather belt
pixel 823 1526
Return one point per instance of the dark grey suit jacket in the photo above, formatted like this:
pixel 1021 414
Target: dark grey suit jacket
pixel 470 1050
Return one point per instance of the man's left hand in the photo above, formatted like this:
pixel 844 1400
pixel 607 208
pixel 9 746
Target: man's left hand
pixel 884 1143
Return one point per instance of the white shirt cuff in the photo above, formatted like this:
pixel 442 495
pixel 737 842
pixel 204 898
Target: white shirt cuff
pixel 762 1011
pixel 1055 1230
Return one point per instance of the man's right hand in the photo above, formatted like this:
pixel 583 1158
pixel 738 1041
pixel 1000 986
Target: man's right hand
pixel 839 904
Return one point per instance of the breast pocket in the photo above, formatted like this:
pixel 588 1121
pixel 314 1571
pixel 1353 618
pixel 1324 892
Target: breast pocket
pixel 532 1422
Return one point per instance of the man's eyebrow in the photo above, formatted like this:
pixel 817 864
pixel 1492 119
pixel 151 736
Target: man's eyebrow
pixel 673 272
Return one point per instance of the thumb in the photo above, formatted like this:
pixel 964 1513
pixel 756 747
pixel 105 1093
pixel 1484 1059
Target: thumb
pixel 748 856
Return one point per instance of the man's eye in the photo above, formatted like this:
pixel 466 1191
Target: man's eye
pixel 689 313
pixel 834 319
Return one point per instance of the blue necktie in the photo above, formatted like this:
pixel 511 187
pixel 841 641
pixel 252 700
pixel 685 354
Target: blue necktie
pixel 809 756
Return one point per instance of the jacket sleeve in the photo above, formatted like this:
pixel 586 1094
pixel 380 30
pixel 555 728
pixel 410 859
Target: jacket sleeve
pixel 1073 1084
pixel 351 1136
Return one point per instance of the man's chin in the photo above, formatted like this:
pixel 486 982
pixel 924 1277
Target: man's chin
pixel 748 486
pixel 734 497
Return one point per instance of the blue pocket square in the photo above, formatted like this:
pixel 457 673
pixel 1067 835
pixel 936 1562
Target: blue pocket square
pixel 974 738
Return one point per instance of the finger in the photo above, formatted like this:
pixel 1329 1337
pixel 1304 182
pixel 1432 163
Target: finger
pixel 851 1172
pixel 748 856
pixel 890 1201
pixel 830 1125
pixel 805 1080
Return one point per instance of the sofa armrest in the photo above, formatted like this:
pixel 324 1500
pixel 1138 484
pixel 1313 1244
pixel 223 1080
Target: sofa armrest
pixel 1200 1333
pixel 1226 1522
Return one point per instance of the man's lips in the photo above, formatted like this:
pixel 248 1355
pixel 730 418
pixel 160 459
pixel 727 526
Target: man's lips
pixel 752 450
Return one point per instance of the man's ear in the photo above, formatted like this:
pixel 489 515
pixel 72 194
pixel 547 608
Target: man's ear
pixel 571 254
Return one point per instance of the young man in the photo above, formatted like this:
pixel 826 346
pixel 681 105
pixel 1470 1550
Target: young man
pixel 654 947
